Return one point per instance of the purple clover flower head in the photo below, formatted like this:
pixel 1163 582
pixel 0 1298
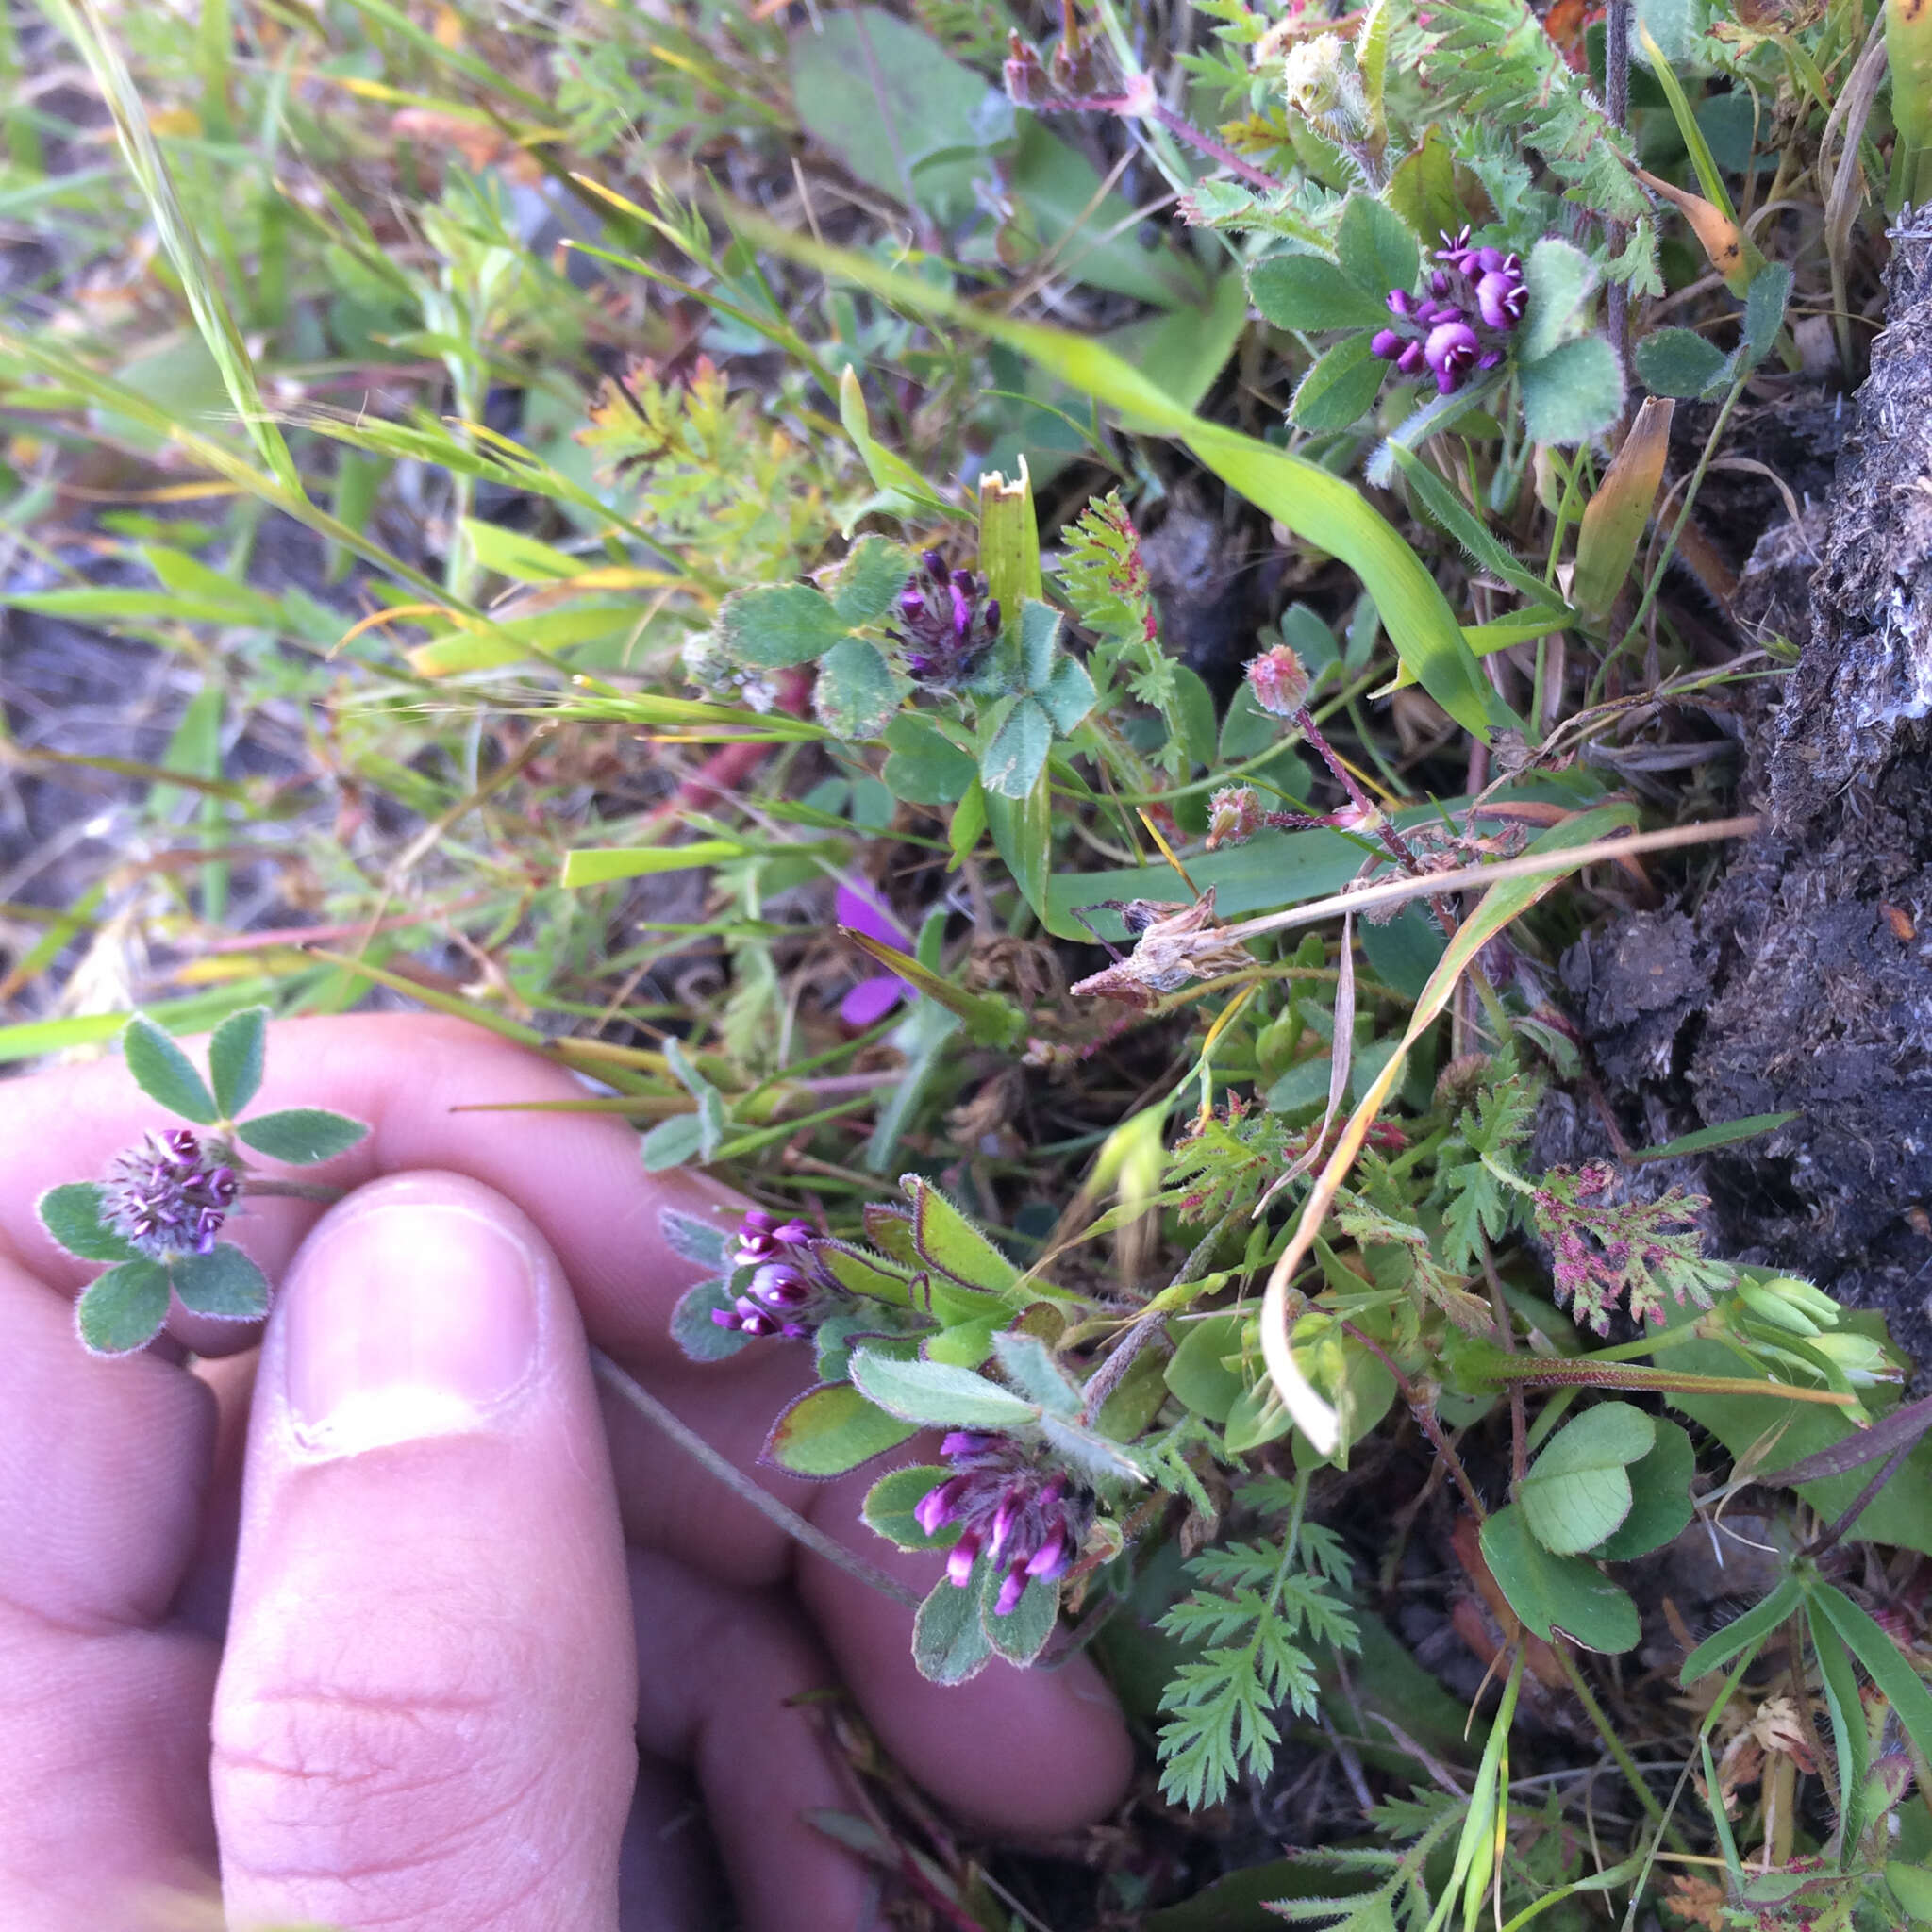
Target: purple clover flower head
pixel 171 1195
pixel 948 623
pixel 1022 1516
pixel 871 999
pixel 1387 343
pixel 1451 352
pixel 789 1294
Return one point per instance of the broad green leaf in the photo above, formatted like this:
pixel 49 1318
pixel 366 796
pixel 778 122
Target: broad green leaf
pixel 1578 1490
pixel 879 1277
pixel 1742 1633
pixel 704 1244
pixel 922 765
pixel 165 1074
pixel 1679 362
pixel 1040 632
pixel 72 1214
pixel 938 1394
pixel 693 1330
pixel 671 1142
pixel 1068 694
pixel 857 691
pixel 1661 1504
pixel 124 1309
pixel 1764 309
pixel 963 1344
pixel 1023 1633
pixel 1022 832
pixel 1572 394
pixel 896 110
pixel 524 559
pixel 1199 1373
pixel 890 1501
pixel 868 583
pixel 1013 763
pixel 1340 386
pixel 830 1430
pixel 301 1135
pixel 947 1241
pixel 1193 714
pixel 1556 1596
pixel 223 1283
pixel 236 1052
pixel 771 625
pixel 1561 278
pixel 1911 1885
pixel 1317 506
pixel 949 1642
pixel 1377 248
pixel 1029 1365
pixel 1310 292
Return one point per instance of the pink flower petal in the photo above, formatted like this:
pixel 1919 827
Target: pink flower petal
pixel 866 914
pixel 871 1000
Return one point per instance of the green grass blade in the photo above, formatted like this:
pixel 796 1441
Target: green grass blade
pixel 81 22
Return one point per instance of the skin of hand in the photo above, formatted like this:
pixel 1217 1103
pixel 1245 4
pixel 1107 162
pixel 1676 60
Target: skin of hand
pixel 382 1614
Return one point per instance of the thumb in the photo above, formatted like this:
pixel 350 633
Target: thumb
pixel 423 1717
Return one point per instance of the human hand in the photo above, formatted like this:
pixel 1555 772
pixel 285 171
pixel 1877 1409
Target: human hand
pixel 372 1627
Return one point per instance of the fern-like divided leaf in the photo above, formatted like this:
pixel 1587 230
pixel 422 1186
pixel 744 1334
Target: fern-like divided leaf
pixel 1259 1609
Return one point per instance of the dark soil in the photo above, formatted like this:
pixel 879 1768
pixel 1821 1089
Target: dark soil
pixel 1802 980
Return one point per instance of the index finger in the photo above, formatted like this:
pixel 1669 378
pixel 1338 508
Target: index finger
pixel 577 1175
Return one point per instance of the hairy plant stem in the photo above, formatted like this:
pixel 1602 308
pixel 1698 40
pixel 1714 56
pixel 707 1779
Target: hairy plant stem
pixel 1143 104
pixel 1423 1408
pixel 794 1525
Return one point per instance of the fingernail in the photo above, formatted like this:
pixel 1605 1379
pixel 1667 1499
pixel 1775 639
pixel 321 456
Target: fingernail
pixel 406 1319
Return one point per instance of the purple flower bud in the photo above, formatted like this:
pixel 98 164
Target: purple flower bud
pixel 1453 246
pixel 1399 303
pixel 1452 347
pixel 1410 362
pixel 1386 344
pixel 961 1557
pixel 1502 298
pixel 1440 283
pixel 1012 1589
pixel 940 1505
pixel 1487 261
pixel 779 1285
pixel 1052 1559
pixel 967 1442
pixel 1489 359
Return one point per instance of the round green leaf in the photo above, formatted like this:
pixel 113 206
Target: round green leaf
pixel 890 1501
pixel 1022 1634
pixel 1307 292
pixel 831 1430
pixel 1579 1490
pixel 771 625
pixel 857 691
pixel 165 1074
pixel 949 1642
pixel 1376 247
pixel 301 1135
pixel 1556 1594
pixel 1911 1885
pixel 1339 386
pixel 72 1214
pixel 1010 765
pixel 1679 362
pixel 1199 1375
pixel 125 1309
pixel 1661 1501
pixel 692 1329
pixel 869 581
pixel 236 1052
pixel 223 1283
pixel 1572 394
pixel 1560 277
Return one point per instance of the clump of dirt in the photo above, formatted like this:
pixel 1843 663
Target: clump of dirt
pixel 1803 981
